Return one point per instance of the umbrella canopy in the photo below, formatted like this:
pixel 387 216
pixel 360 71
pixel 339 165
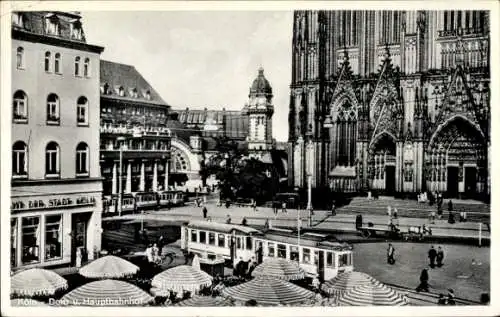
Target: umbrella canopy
pixel 109 266
pixel 279 268
pixel 372 295
pixel 106 293
pixel 37 282
pixel 26 302
pixel 205 301
pixel 180 278
pixel 345 281
pixel 268 292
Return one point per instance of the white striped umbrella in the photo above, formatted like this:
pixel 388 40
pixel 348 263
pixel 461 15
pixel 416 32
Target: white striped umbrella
pixel 106 293
pixel 372 295
pixel 279 268
pixel 26 302
pixel 178 279
pixel 205 301
pixel 37 282
pixel 345 281
pixel 109 266
pixel 268 292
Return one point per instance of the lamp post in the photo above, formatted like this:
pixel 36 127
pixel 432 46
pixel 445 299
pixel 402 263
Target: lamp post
pixel 120 194
pixel 309 196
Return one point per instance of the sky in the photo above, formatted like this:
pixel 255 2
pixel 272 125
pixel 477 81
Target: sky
pixel 201 59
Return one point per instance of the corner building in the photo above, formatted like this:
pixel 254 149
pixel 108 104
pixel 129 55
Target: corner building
pixel 56 184
pixel 393 101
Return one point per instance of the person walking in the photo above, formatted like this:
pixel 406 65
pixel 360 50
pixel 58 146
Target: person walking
pixel 205 212
pixel 254 205
pixel 390 254
pixel 283 207
pixel 424 281
pixel 450 205
pixel 440 257
pixel 275 207
pixel 432 257
pixel 334 211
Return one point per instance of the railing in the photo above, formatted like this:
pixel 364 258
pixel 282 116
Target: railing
pixel 456 32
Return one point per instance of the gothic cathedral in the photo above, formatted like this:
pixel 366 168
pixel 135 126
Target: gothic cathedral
pixel 392 101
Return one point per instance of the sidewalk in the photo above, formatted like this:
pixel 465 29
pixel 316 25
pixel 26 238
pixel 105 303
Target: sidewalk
pixel 321 220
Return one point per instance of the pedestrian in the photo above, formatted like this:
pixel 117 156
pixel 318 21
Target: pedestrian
pixel 275 207
pixel 433 216
pixel 451 297
pixel 389 212
pixel 334 211
pixel 390 254
pixel 441 300
pixel 283 207
pixel 161 242
pixel 450 205
pixel 440 211
pixel 451 217
pixel 424 281
pixel 155 253
pixel 315 283
pixel 254 205
pixel 205 211
pixel 149 253
pixel 395 213
pixel 440 257
pixel 432 256
pixel 228 219
pixel 228 203
pixel 463 216
pixel 244 221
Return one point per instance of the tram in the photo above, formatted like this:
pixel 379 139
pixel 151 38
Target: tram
pixel 317 254
pixel 136 202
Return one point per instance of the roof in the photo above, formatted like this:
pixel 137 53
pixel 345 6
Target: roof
pixel 221 227
pixel 261 85
pixel 306 239
pixel 135 86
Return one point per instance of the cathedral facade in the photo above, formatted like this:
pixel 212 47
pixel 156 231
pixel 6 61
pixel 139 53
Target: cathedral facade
pixel 392 101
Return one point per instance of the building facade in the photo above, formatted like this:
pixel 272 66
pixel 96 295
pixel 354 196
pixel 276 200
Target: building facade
pixel 395 101
pixel 133 118
pixel 56 184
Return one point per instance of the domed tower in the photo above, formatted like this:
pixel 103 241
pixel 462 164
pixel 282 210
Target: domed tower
pixel 260 111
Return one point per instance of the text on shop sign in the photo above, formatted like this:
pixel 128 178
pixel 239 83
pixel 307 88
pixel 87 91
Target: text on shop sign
pixel 51 203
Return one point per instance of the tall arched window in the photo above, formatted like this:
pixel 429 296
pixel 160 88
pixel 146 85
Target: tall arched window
pixel 77 66
pixel 19 159
pixel 20 58
pixel 82 159
pixel 52 160
pixel 57 63
pixel 47 61
pixel 345 134
pixel 82 111
pixel 53 109
pixel 20 107
pixel 86 67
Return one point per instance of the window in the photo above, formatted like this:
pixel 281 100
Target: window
pixel 20 58
pixel 81 111
pixel 222 240
pixel 31 240
pixel 53 109
pixel 194 236
pixel 239 243
pixel 77 66
pixel 121 91
pixel 203 237
pixel 19 159
pixel 306 255
pixel 249 243
pixel 47 61
pixel 82 161
pixel 57 63
pixel 270 248
pixel 20 107
pixel 281 251
pixel 13 242
pixel 329 259
pixel 86 69
pixel 18 19
pixel 316 257
pixel 52 159
pixel 76 30
pixel 345 259
pixel 53 237
pixel 148 95
pixel 211 238
pixel 294 253
pixel 52 25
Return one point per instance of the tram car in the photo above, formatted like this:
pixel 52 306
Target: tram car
pixel 135 202
pixel 171 198
pixel 110 205
pixel 145 200
pixel 318 254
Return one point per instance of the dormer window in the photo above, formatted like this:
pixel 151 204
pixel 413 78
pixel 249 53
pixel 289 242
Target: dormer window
pixel 121 92
pixel 18 19
pixel 52 25
pixel 105 89
pixel 76 30
pixel 148 95
pixel 134 93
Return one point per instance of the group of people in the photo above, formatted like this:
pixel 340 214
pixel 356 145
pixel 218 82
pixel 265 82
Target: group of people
pixel 436 258
pixel 277 205
pixel 153 253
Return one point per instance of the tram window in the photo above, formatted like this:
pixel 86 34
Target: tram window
pixel 281 251
pixel 270 247
pixel 306 255
pixel 294 253
pixel 211 238
pixel 329 259
pixel 316 257
pixel 249 243
pixel 239 243
pixel 222 240
pixel 344 259
pixel 203 237
pixel 194 236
